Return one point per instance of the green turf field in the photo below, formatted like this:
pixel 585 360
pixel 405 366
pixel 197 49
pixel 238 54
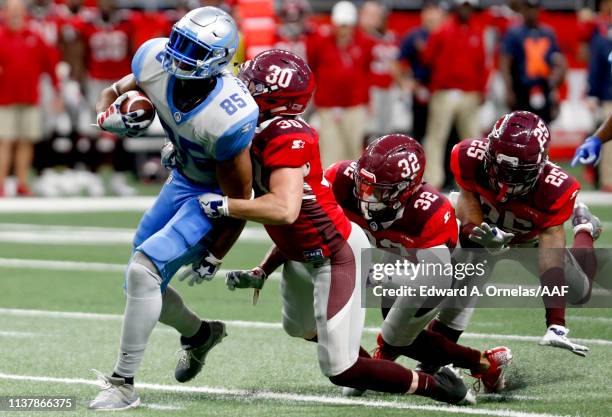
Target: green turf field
pixel 60 316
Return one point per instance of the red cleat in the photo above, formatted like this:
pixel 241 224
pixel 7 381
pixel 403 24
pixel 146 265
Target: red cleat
pixel 24 191
pixel 384 350
pixel 493 377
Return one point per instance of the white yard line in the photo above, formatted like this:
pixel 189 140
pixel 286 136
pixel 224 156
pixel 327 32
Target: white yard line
pixel 291 397
pixel 45 234
pixel 6 333
pixel 79 266
pixel 114 204
pixel 17 312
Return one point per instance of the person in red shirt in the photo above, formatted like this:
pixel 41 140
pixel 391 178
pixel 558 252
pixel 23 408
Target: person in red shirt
pixel 456 56
pixel 319 248
pixel 108 37
pixel 388 199
pixel 373 22
pixel 293 29
pixel 24 57
pixel 340 58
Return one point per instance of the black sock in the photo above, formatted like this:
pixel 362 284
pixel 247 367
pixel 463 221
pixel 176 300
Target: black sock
pixel 128 380
pixel 200 337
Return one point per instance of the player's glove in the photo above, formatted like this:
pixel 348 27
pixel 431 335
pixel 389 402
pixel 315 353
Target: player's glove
pixel 253 278
pixel 589 152
pixel 214 205
pixel 168 156
pixel 113 121
pixel 202 270
pixel 492 238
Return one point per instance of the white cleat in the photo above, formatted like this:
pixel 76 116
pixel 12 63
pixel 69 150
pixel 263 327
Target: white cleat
pixel 116 395
pixel 556 336
pixel 584 220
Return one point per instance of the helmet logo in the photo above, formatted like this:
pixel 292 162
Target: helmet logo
pixel 499 127
pixel 368 175
pixel 512 160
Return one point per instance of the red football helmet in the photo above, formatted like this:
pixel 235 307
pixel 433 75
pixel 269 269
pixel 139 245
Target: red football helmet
pixel 517 153
pixel 280 82
pixel 387 174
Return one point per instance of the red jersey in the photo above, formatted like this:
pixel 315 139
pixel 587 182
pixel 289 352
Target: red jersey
pixel 428 219
pixel 321 227
pixel 456 56
pixel 384 54
pixel 108 47
pixel 549 203
pixel 341 72
pixel 24 57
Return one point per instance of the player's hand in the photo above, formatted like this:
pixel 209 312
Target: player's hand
pixel 112 120
pixel 214 205
pixel 491 237
pixel 168 156
pixel 252 278
pixel 203 270
pixel 589 152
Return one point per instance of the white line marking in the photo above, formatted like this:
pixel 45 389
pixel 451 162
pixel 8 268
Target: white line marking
pixel 17 312
pixel 37 234
pixel 141 203
pixel 590 319
pixel 163 407
pixel 291 397
pixel 81 266
pixel 6 333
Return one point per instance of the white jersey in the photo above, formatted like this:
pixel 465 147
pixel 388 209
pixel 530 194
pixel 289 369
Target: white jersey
pixel 217 129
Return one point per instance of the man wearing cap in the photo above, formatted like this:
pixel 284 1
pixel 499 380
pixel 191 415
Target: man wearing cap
pixel 340 58
pixel 532 65
pixel 456 57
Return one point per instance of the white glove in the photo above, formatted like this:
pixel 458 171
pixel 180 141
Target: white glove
pixel 556 336
pixel 214 205
pixel 168 156
pixel 203 270
pixel 491 237
pixel 112 120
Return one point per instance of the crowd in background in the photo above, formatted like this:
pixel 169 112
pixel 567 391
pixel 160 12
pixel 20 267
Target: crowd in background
pixel 430 80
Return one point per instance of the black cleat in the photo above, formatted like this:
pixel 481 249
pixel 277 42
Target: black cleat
pixel 192 357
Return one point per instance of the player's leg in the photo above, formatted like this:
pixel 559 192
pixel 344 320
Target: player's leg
pixel 182 241
pixel 142 309
pixel 340 319
pixel 297 291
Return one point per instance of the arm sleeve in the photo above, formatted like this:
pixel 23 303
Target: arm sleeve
pixel 236 138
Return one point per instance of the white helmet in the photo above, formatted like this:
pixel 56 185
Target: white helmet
pixel 201 44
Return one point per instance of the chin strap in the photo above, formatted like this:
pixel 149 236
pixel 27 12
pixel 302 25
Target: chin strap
pixel 502 192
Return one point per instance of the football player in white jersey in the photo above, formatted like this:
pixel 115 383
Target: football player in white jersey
pixel 210 119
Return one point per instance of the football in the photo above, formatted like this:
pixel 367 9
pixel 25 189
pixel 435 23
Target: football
pixel 139 101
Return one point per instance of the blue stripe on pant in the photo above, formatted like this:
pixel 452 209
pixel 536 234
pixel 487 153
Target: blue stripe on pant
pixel 170 232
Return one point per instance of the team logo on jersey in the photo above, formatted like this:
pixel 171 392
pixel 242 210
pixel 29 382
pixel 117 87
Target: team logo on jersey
pixel 177 116
pixel 298 144
pixel 246 128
